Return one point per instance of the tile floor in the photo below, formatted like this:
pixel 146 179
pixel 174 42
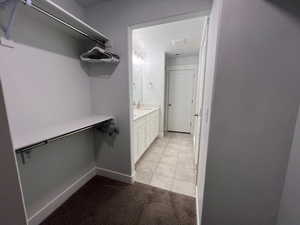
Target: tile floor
pixel 169 164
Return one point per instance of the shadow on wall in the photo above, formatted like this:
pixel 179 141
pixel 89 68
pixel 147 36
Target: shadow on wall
pixel 36 30
pixel 103 70
pixel 103 144
pixel 292 7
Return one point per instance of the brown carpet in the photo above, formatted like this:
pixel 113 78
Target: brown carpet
pixel 105 202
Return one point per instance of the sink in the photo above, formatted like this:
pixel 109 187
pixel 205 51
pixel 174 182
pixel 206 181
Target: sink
pixel 137 113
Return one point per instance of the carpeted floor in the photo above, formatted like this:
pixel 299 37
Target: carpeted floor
pixel 105 202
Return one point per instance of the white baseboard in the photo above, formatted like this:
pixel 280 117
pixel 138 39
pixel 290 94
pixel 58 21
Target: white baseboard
pixel 52 205
pixel 115 175
pixel 197 207
pixel 161 134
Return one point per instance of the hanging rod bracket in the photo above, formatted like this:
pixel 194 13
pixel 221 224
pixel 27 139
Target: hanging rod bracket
pixel 110 128
pixel 5 4
pixel 23 157
pixel 7 43
pixel 28 2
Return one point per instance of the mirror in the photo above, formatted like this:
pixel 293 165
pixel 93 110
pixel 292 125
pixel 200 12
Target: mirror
pixel 138 72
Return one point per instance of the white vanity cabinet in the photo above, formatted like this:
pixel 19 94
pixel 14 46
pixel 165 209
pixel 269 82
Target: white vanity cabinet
pixel 145 129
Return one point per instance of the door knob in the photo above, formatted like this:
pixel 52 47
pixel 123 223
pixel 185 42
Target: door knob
pixel 196 115
pixel 169 105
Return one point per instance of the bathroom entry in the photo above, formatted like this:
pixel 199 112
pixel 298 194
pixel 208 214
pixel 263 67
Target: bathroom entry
pixel 165 70
pixel 180 100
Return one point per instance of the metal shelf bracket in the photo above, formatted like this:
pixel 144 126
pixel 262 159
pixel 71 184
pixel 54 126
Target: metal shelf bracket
pixel 7 4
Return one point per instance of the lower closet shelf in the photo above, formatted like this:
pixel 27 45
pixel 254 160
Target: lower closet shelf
pixel 25 141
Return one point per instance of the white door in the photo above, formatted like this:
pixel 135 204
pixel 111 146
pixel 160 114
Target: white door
pixel 180 100
pixel 200 87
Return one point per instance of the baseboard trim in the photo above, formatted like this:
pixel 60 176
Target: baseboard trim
pixel 115 175
pixel 52 205
pixel 56 202
pixel 197 207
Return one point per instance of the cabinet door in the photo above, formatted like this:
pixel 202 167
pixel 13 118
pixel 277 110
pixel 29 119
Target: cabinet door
pixel 148 129
pixel 139 135
pixel 135 141
pixel 143 135
pixel 156 124
pixel 139 141
pixel 152 126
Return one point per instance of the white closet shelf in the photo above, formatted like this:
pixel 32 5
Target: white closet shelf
pixel 57 13
pixel 30 139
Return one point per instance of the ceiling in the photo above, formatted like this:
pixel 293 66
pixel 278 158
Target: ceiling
pixel 180 37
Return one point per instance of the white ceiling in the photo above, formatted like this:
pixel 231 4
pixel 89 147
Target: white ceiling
pixel 160 37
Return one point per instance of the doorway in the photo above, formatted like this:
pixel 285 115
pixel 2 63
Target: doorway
pixel 180 100
pixel 164 72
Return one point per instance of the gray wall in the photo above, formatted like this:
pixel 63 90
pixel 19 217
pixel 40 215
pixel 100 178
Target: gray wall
pixel 290 202
pixel 44 84
pixel 254 112
pixel 73 7
pixel 212 40
pixel 110 94
pixel 11 207
pixel 53 167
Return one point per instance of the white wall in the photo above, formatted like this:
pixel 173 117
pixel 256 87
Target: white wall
pixel 153 75
pixel 42 88
pixel 154 82
pixel 182 60
pixel 139 70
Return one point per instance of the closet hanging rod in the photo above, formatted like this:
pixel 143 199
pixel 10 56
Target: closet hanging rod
pixel 28 149
pixel 40 10
pixel 32 147
pixel 58 137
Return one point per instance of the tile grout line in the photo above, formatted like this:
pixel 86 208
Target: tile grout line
pixel 165 145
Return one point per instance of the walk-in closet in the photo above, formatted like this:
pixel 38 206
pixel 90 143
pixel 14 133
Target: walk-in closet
pixel 46 54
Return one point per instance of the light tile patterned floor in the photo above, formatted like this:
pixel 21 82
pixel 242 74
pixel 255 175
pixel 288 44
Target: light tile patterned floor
pixel 169 164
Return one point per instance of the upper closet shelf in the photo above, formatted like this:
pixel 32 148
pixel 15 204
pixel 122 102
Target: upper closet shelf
pixel 25 141
pixel 60 15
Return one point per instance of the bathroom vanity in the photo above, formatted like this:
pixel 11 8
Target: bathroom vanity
pixel 145 129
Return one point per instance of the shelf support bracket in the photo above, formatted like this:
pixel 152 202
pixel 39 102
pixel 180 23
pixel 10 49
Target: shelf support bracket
pixel 23 157
pixel 5 4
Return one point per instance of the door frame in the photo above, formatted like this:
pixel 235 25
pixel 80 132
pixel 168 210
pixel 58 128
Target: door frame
pixel 213 49
pixel 200 88
pixel 191 67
